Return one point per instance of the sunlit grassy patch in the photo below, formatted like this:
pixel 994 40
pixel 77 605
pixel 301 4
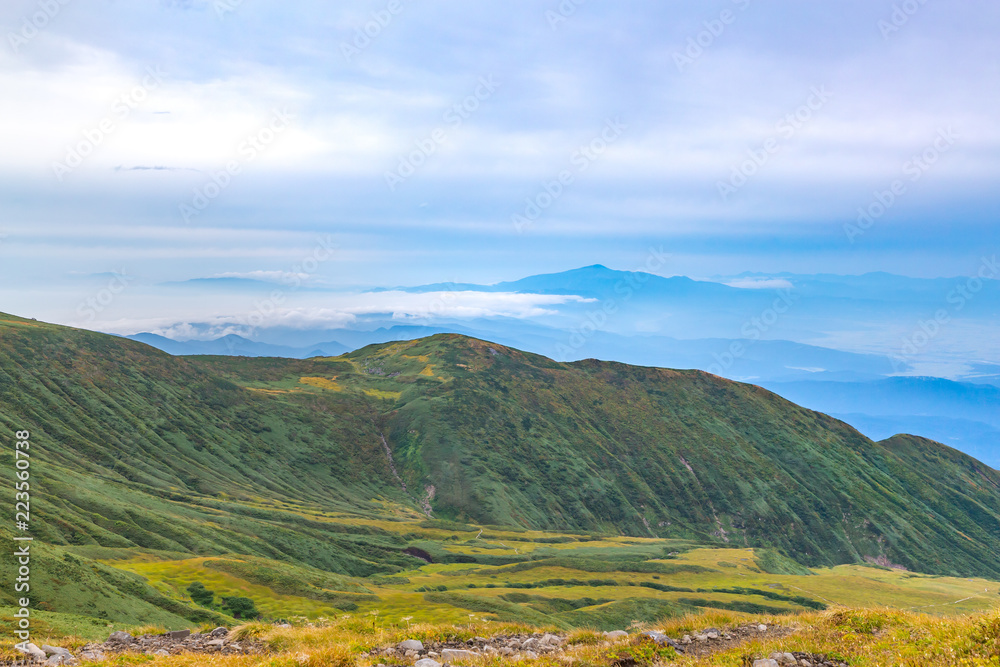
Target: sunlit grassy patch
pixel 322 383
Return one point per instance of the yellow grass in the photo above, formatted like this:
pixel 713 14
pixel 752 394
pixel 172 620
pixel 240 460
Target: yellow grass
pixel 322 383
pixel 862 637
pixel 378 393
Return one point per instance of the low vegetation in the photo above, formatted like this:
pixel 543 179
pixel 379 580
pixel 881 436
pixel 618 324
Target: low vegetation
pixel 578 498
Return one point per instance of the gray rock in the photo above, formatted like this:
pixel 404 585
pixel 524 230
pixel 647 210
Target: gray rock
pixel 686 639
pixel 762 628
pixel 121 637
pixel 94 654
pixel 219 632
pixel 178 634
pixel 216 643
pixel 56 660
pixel 530 643
pixel 411 645
pixel 426 662
pixel 769 662
pixel 551 640
pixel 530 655
pixel 452 654
pixel 33 651
pixel 410 654
pixel 712 635
pixel 616 634
pixel 55 650
pixel 161 652
pixel 661 638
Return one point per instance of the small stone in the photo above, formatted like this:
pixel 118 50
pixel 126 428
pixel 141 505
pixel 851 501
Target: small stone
pixel 769 662
pixel 94 654
pixel 410 654
pixel 788 659
pixel 506 650
pixel 616 634
pixel 551 640
pixel 55 650
pixel 686 639
pixel 219 632
pixel 411 645
pixel 121 637
pixel 712 635
pixel 178 634
pixel 216 643
pixel 32 650
pixel 426 662
pixel 161 652
pixel 701 637
pixel 805 663
pixel 56 660
pixel 761 628
pixel 530 655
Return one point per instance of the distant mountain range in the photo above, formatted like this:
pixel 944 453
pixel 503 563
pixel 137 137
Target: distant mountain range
pixel 238 346
pixel 819 339
pixel 963 415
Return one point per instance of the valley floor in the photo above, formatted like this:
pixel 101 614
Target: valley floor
pixel 577 587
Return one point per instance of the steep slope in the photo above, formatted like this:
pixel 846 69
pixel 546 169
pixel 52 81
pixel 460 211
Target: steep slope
pixel 208 455
pixel 132 448
pixel 491 434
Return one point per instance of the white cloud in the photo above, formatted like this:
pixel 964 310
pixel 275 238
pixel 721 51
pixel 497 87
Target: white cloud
pixel 760 283
pixel 341 310
pixel 283 277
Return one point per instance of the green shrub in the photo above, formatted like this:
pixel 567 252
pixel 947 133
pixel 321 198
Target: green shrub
pixel 200 594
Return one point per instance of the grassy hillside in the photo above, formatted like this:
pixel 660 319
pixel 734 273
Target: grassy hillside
pixel 324 486
pixel 490 434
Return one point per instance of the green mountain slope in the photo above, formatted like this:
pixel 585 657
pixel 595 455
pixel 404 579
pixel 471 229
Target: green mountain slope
pixel 510 438
pixel 133 448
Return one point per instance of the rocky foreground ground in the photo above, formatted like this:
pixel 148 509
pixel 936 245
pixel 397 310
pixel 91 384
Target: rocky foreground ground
pixel 218 640
pixel 434 654
pixel 525 646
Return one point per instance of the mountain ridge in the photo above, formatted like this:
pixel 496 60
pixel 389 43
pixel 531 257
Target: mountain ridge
pixel 149 450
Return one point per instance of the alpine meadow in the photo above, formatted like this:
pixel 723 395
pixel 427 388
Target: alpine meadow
pixel 532 333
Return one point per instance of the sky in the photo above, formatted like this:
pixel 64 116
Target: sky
pixel 401 142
